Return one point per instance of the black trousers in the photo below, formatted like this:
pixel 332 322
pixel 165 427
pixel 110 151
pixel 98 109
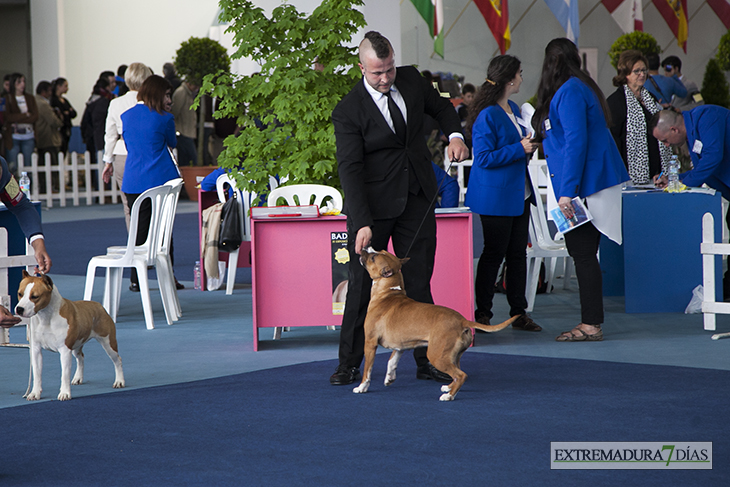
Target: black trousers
pixel 582 243
pixel 505 237
pixel 417 272
pixel 143 228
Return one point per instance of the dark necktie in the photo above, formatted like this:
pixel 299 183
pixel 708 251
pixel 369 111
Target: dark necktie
pixel 396 116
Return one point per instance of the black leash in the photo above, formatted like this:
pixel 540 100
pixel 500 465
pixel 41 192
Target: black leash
pixel 430 208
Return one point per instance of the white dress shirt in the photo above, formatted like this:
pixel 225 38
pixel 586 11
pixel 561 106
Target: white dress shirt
pixel 113 142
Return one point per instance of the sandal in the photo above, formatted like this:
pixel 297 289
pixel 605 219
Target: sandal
pixel 570 336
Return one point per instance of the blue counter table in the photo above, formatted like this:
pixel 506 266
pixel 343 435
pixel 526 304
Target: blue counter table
pixel 659 263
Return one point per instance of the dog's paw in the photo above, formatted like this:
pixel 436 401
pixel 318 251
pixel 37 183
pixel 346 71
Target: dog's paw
pixel 64 396
pixel 361 389
pixel 446 397
pixel 33 396
pixel 77 382
pixel 389 379
pixel 119 384
pixel 446 388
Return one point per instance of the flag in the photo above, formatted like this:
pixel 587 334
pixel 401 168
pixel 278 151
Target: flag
pixel 496 13
pixel 432 12
pixel 722 9
pixel 675 15
pixel 566 11
pixel 627 14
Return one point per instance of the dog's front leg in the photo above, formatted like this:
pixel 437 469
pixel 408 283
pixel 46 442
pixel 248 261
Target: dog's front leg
pixel 36 365
pixel 79 375
pixel 66 364
pixel 392 365
pixel 371 346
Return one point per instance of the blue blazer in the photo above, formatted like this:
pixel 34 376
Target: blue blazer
pixel 147 134
pixel 580 151
pixel 710 125
pixel 499 170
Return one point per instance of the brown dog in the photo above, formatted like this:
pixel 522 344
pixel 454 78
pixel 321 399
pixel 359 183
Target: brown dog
pixel 399 323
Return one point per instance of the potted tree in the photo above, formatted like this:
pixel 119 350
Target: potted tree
pixel 284 111
pixel 641 41
pixel 196 58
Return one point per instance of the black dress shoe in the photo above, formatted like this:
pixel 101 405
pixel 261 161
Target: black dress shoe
pixel 429 372
pixel 179 286
pixel 134 287
pixel 345 375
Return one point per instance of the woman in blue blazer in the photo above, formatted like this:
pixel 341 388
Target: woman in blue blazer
pixel 500 189
pixel 572 120
pixel 149 129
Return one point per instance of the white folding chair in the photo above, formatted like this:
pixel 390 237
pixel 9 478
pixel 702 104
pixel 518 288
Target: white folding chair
pixel 543 245
pixel 304 194
pixel 137 256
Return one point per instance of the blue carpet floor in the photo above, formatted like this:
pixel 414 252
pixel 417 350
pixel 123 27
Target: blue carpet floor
pixel 282 427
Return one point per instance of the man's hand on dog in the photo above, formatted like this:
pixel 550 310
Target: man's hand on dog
pixel 362 240
pixel 7 319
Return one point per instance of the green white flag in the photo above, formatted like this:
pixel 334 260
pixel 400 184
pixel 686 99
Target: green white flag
pixel 432 12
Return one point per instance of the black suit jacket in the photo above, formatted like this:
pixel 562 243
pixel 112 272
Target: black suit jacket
pixel 373 163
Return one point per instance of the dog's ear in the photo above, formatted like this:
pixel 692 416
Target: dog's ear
pixel 47 281
pixel 386 271
pixel 25 274
pixel 403 261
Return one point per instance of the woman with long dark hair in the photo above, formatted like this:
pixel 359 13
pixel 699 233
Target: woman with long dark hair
pixel 572 120
pixel 500 188
pixel 21 113
pixel 58 101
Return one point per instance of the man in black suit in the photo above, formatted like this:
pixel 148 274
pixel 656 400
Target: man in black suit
pixel 385 171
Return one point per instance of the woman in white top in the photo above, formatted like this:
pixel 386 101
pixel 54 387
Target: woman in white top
pixel 21 113
pixel 115 152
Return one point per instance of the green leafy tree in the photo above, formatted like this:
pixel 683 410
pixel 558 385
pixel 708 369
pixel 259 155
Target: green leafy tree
pixel 196 58
pixel 284 111
pixel 715 89
pixel 723 52
pixel 641 41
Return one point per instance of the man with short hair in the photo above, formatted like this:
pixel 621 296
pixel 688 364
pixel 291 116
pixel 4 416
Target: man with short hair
pixel 673 67
pixel 662 87
pixel 385 170
pixel 706 130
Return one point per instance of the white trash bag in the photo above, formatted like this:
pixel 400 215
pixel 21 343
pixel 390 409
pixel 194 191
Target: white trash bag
pixel 213 283
pixel 695 304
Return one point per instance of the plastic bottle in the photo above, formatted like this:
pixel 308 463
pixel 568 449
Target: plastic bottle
pixel 674 186
pixel 24 183
pixel 196 276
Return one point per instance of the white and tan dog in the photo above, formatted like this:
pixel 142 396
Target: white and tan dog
pixel 64 326
pixel 399 323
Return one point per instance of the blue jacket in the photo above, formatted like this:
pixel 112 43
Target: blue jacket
pixel 708 126
pixel 668 86
pixel 497 177
pixel 16 202
pixel 581 154
pixel 448 188
pixel 147 134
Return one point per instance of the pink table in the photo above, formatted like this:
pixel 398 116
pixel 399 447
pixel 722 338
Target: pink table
pixel 291 262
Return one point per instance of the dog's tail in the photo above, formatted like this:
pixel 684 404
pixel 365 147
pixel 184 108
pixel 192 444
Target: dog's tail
pixel 493 328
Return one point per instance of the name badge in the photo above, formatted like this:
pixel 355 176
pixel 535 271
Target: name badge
pixel 547 124
pixel 697 147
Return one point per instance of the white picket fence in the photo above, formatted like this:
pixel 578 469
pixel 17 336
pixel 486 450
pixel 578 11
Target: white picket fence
pixel 68 173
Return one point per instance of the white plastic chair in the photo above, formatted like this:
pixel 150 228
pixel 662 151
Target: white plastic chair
pixel 543 245
pixel 135 256
pixel 244 199
pixel 163 263
pixel 304 194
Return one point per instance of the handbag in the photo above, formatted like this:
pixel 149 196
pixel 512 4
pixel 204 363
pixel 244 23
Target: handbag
pixel 231 234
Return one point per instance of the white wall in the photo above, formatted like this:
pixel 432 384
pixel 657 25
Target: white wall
pixel 470 45
pixel 78 39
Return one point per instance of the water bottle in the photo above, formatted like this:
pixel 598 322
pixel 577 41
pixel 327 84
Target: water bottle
pixel 674 185
pixel 24 184
pixel 196 276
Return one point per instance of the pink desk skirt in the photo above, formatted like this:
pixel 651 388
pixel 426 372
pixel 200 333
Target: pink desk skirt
pixel 292 269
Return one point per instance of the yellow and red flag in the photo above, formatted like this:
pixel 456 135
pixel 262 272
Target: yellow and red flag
pixel 675 15
pixel 496 14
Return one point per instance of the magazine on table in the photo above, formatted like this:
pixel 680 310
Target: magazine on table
pixel 581 215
